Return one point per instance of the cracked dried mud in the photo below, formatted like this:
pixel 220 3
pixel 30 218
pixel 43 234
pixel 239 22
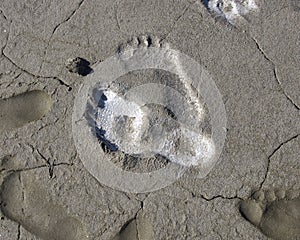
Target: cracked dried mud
pixel 50 49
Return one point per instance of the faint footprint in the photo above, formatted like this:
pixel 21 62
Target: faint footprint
pixel 274 213
pixel 24 202
pixel 22 109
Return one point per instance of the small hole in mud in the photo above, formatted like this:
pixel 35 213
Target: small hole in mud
pixel 79 65
pixel 2 218
pixel 70 89
pixel 170 113
pixel 149 40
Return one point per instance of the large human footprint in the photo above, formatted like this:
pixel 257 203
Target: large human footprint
pixel 22 109
pixel 149 109
pixel 276 214
pixel 144 120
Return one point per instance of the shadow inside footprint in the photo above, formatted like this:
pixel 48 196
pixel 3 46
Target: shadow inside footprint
pixel 24 202
pixel 205 3
pixel 22 109
pixel 276 215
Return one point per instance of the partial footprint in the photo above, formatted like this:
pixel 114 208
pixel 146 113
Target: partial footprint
pixel 22 109
pixel 137 229
pixel 128 232
pixel 231 10
pixel 26 203
pixel 275 213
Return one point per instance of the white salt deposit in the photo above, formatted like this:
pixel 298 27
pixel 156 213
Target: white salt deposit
pixel 126 125
pixel 187 148
pixel 122 122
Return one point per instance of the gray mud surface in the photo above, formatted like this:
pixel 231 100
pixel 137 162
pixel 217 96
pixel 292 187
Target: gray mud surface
pixel 47 193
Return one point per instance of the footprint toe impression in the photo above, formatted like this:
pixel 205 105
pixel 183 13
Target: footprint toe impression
pixel 275 215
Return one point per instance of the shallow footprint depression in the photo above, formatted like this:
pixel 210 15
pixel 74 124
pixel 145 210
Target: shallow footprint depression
pixel 22 109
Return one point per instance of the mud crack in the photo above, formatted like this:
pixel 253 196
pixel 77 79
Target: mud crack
pixel 275 74
pixel 272 154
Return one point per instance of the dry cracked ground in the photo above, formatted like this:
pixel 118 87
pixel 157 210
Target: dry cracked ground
pixel 46 192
